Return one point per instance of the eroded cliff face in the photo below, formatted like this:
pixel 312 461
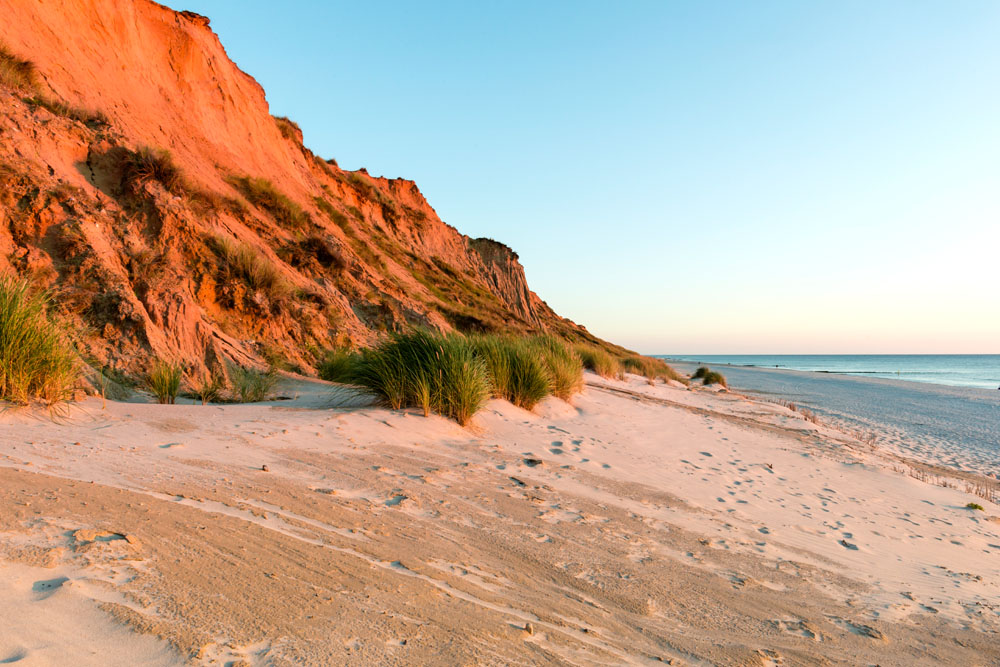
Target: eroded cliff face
pixel 143 180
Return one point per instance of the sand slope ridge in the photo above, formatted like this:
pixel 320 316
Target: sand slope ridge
pixel 639 525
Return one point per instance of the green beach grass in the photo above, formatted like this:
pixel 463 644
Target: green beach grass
pixel 36 360
pixel 453 375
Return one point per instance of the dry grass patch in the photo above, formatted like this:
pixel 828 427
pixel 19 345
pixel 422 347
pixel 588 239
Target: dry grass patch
pixel 263 194
pixel 242 262
pixel 16 72
pixel 92 119
pixel 146 165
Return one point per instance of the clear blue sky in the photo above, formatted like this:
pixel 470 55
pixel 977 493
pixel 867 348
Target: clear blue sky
pixel 680 177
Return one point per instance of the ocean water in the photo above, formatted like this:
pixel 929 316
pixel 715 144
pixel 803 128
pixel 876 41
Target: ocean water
pixel 955 370
pixel 950 415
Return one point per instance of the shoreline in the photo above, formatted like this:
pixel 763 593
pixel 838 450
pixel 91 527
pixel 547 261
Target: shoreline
pixel 956 427
pixel 871 375
pixel 618 528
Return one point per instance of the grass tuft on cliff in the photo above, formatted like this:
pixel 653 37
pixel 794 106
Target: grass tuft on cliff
pixel 16 72
pixel 92 119
pixel 289 128
pixel 244 263
pixel 263 194
pixel 36 361
pixel 146 165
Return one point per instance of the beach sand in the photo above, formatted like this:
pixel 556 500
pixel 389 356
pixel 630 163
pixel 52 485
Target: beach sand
pixel 638 525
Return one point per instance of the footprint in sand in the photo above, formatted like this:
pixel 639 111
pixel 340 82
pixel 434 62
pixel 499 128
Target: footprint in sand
pixel 47 588
pixel 17 656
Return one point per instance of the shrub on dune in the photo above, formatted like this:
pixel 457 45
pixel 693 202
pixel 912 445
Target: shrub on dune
pixel 36 361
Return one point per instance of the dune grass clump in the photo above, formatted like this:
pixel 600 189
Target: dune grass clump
pixel 339 366
pixel 210 389
pixel 16 72
pixel 165 381
pixel 975 506
pixel 668 372
pixel 599 361
pixel 263 194
pixel 517 369
pixel 250 385
pixel 146 165
pixel 563 363
pixel 708 376
pixel 651 369
pixel 436 373
pixel 36 361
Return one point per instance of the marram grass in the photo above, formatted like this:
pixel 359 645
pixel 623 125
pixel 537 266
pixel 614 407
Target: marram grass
pixel 601 362
pixel 453 376
pixel 165 380
pixel 434 372
pixel 518 372
pixel 250 385
pixel 36 361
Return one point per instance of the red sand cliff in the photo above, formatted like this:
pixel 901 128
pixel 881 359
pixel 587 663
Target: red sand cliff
pixel 140 265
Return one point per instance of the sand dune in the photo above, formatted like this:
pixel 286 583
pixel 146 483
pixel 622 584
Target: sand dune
pixel 639 525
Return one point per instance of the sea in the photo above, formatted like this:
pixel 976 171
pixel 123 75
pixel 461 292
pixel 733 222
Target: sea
pixel 955 370
pixel 941 408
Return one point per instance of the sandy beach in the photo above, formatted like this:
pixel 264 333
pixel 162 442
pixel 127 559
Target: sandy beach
pixel 637 525
pixel 954 426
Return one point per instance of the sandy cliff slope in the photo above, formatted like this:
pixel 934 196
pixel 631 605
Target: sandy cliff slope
pixel 243 242
pixel 640 525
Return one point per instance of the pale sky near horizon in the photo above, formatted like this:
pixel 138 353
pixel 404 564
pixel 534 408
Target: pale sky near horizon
pixel 679 177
